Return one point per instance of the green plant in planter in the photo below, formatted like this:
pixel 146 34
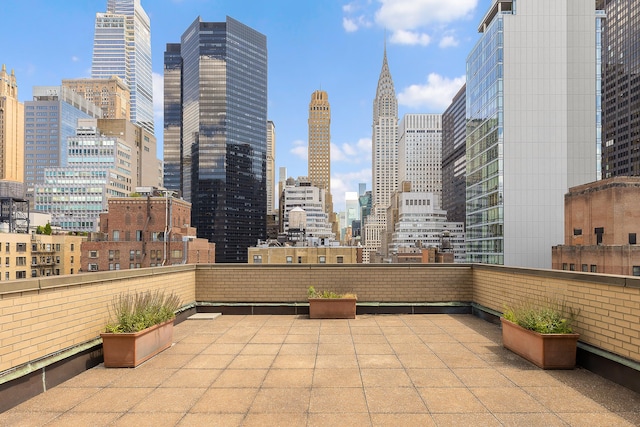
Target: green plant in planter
pixel 548 316
pixel 135 312
pixel 312 293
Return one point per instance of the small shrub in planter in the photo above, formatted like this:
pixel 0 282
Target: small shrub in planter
pixel 331 305
pixel 541 332
pixel 142 326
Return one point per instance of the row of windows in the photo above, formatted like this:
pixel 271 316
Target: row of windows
pixel 257 259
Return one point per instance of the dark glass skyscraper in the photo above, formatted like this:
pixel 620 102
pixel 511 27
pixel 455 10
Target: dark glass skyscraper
pixel 620 88
pixel 215 134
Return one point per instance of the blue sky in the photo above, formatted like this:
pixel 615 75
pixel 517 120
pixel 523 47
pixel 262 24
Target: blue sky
pixel 333 45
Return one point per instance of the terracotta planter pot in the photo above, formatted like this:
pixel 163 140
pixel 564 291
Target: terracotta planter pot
pixel 547 351
pixel 128 350
pixel 332 308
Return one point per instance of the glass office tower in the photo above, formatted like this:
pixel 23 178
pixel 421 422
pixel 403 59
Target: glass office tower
pixel 216 132
pixel 122 47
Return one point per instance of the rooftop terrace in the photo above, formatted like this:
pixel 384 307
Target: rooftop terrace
pixel 427 370
pixel 424 349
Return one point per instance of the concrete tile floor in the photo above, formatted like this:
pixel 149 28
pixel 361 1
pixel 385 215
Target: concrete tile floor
pixel 385 370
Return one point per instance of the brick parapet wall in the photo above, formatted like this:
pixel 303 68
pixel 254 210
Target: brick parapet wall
pixel 42 317
pixel 609 306
pixel 371 283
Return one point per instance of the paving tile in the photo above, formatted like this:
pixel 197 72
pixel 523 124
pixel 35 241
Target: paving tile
pixel 336 400
pixel 158 419
pixel 280 378
pixel 13 417
pixel 298 348
pixel 251 361
pixel 341 419
pixel 330 361
pixel 281 400
pixel 394 400
pixel 410 348
pixel 369 339
pixel 166 361
pixel 336 338
pixel 225 400
pixel 473 419
pixel 292 361
pixel 451 400
pixel 395 420
pixel 209 420
pixel 304 330
pixel 385 378
pixel 52 401
pixel 435 378
pixel 113 400
pixel 264 338
pixel 188 348
pixel 564 399
pixel 530 377
pixel 275 420
pixel 144 378
pixel 421 360
pixel 210 361
pixel 301 339
pixel 379 361
pixel 336 348
pixel 530 420
pixel 83 419
pixel 365 330
pixel 169 400
pixel 362 348
pixel 220 348
pixel 463 360
pixel 481 377
pixel 595 419
pixel 507 399
pixel 337 377
pixel 260 349
pixel 243 378
pixel 98 376
pixel 186 378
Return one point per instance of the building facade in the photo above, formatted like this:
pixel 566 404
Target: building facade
pixel 112 95
pixel 265 254
pixel 139 232
pixel 97 167
pixel 384 160
pixel 122 47
pixel 271 168
pixel 531 127
pixel 216 132
pixel 420 152
pixel 302 209
pixel 454 157
pixel 51 117
pixel 601 228
pixel 319 144
pixel 11 128
pixel 620 88
pixel 27 255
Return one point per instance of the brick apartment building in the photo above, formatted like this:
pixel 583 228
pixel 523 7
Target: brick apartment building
pixel 601 224
pixel 132 235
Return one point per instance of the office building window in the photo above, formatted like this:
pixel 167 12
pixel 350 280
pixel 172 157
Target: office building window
pixel 636 270
pixel 289 260
pixel 322 260
pixel 257 259
pixel 340 260
pixel 632 238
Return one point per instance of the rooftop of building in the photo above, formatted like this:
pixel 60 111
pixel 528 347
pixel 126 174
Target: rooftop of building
pixel 428 370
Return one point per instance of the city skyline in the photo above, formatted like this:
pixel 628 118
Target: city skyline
pixel 426 50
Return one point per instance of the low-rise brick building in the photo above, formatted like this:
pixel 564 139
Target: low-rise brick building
pixel 601 224
pixel 151 231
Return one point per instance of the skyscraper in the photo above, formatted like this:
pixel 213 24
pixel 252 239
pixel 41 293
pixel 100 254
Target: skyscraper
pixel 620 88
pixel 215 138
pixel 320 141
pixel 122 47
pixel 11 129
pixel 51 117
pixel 384 159
pixel 531 127
pixel 454 157
pixel 271 168
pixel 420 153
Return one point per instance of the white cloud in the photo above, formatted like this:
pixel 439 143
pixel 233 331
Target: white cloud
pixel 410 38
pixel 412 14
pixel 158 99
pixel 344 182
pixel 436 94
pixel 448 41
pixel 359 152
pixel 300 150
pixel 348 25
pixel 75 59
